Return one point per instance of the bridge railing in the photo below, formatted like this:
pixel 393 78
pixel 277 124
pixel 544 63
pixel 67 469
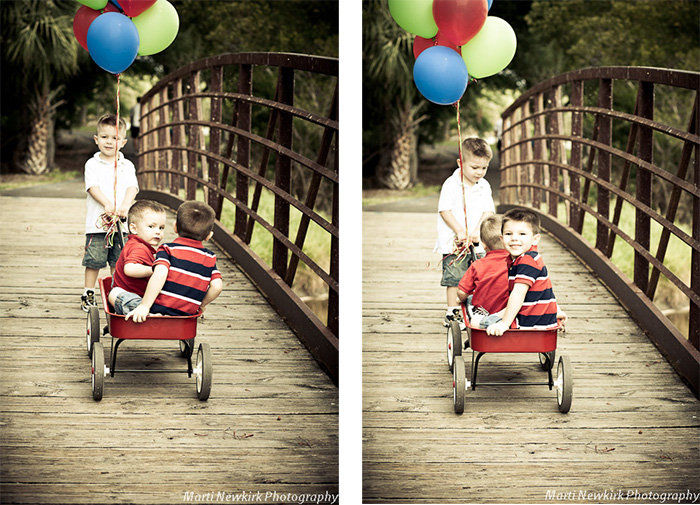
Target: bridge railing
pixel 573 150
pixel 210 131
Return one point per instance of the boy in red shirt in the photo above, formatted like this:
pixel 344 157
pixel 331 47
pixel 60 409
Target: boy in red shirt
pixel 531 303
pixel 135 263
pixel 484 287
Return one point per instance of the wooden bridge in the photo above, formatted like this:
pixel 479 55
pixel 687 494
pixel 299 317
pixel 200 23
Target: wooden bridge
pixel 269 431
pixel 633 432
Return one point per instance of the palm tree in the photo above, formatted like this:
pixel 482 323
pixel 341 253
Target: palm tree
pixel 38 40
pixel 388 64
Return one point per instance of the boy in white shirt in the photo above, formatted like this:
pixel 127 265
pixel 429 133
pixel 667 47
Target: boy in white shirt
pixel 100 188
pixel 465 190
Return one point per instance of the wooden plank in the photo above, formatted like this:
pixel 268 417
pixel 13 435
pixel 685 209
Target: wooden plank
pixel 270 425
pixel 633 424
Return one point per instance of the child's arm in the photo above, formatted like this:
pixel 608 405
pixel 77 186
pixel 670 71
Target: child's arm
pixel 475 237
pixel 216 286
pixel 123 209
pixel 138 270
pixel 451 221
pixel 155 284
pixel 101 198
pixel 515 302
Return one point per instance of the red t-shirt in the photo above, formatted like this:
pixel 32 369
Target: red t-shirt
pixel 136 251
pixel 487 280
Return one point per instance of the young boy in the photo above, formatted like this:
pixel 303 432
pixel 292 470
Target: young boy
pixel 466 189
pixel 135 264
pixel 531 303
pixel 185 277
pixel 100 187
pixel 485 285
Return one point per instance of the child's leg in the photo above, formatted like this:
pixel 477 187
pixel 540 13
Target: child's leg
pixel 452 299
pixel 91 277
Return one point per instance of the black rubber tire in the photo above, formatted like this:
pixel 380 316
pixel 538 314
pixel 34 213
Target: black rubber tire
pixel 543 360
pixel 98 371
pixel 454 342
pixel 92 329
pixel 458 385
pixel 203 366
pixel 185 349
pixel 565 384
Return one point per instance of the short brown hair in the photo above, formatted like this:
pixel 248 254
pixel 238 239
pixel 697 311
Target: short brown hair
pixel 490 232
pixel 195 220
pixel 477 147
pixel 111 120
pixel 523 215
pixel 140 207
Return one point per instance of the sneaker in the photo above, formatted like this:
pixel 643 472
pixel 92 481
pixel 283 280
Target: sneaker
pixel 457 316
pixel 88 300
pixel 476 314
pixel 448 319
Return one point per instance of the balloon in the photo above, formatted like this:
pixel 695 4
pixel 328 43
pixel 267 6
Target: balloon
pixel 440 75
pixel 133 8
pixel 420 44
pixel 491 50
pixel 94 4
pixel 157 27
pixel 83 19
pixel 490 4
pixel 115 2
pixel 113 42
pixel 460 20
pixel 414 16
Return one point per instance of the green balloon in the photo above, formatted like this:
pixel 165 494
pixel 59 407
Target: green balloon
pixel 491 50
pixel 414 16
pixel 94 4
pixel 157 26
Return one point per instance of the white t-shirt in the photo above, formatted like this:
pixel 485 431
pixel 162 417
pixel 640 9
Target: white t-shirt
pixel 100 173
pixel 478 200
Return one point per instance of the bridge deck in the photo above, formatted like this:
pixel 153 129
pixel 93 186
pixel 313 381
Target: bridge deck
pixel 270 425
pixel 633 425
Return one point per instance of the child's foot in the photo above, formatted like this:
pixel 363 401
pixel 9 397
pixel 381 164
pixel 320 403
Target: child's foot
pixel 454 315
pixel 478 313
pixel 88 300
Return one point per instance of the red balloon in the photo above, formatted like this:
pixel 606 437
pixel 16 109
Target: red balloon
pixel 133 8
pixel 84 18
pixel 460 20
pixel 420 44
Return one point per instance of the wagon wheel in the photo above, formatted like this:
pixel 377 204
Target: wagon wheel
pixel 565 384
pixel 98 370
pixel 203 371
pixel 454 342
pixel 186 347
pixel 547 365
pixel 92 330
pixel 458 384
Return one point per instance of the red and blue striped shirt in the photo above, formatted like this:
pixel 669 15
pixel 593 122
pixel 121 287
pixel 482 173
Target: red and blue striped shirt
pixel 539 310
pixel 191 268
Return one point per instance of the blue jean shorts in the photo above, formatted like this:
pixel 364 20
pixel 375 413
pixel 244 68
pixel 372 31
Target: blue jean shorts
pixel 126 302
pixel 98 254
pixel 453 271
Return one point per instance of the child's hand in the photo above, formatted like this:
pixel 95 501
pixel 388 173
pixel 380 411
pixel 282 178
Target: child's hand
pixel 138 315
pixel 109 209
pixel 497 329
pixel 461 236
pixel 562 317
pixel 123 211
pixel 474 238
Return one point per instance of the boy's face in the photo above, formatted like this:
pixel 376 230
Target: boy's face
pixel 106 140
pixel 150 228
pixel 474 168
pixel 518 237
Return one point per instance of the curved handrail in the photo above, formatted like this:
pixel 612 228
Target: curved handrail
pixel 207 132
pixel 560 151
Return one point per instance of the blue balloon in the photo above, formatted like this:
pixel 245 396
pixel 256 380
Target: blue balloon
pixel 120 7
pixel 113 41
pixel 489 5
pixel 441 75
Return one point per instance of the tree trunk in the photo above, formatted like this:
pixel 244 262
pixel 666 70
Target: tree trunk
pixel 397 168
pixel 35 159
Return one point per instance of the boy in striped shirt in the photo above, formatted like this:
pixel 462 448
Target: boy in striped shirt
pixel 531 303
pixel 185 278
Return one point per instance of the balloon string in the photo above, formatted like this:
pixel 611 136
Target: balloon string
pixel 116 150
pixel 461 170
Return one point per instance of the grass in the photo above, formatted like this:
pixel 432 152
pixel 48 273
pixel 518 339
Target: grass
pixel 377 196
pixel 13 181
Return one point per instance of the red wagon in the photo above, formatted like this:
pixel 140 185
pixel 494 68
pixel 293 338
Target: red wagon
pixel 542 342
pixel 181 328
